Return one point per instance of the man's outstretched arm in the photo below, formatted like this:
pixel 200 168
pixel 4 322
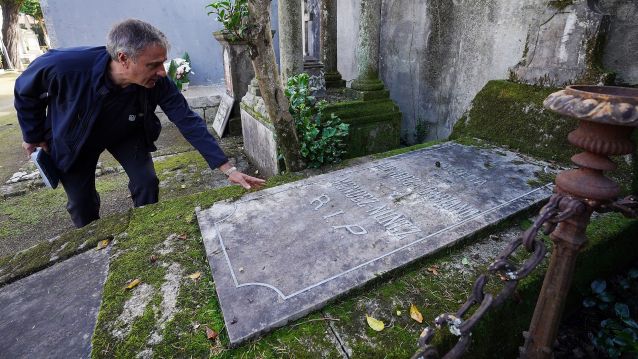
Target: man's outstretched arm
pixel 193 128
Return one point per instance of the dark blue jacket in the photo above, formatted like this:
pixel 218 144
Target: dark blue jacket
pixel 59 96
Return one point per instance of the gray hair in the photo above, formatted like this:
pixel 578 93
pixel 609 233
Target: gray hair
pixel 131 36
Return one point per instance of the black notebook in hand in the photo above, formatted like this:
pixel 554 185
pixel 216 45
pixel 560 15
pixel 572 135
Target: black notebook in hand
pixel 48 171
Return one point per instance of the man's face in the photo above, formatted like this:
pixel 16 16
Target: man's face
pixel 147 69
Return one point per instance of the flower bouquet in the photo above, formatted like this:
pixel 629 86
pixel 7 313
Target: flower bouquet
pixel 179 70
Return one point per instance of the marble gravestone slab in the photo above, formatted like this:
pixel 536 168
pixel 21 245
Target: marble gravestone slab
pixel 280 253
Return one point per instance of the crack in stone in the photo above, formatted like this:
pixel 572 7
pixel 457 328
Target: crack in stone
pixel 337 337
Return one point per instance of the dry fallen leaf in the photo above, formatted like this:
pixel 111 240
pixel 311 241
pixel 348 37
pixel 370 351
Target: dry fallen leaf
pixel 375 324
pixel 182 237
pixel 434 270
pixel 195 276
pixel 133 283
pixel 415 314
pixel 211 334
pixel 102 244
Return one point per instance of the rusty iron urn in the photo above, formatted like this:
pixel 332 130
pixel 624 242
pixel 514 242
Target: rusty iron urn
pixel 607 117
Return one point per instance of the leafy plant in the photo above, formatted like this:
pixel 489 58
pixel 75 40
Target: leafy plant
pixel 232 14
pixel 618 334
pixel 32 7
pixel 321 137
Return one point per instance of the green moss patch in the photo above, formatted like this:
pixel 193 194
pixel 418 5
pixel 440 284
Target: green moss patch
pixel 10 146
pixel 560 4
pixel 399 151
pixel 47 253
pixel 169 232
pixel 512 115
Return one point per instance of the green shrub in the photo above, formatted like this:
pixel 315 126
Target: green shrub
pixel 232 14
pixel 618 332
pixel 321 137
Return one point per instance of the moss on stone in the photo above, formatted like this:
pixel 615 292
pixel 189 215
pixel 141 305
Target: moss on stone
pixel 23 211
pixel 512 115
pixel 595 72
pixel 374 125
pixel 47 253
pixel 184 335
pixel 560 4
pixel 542 178
pixel 399 151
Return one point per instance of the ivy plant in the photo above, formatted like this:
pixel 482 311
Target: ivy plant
pixel 617 335
pixel 321 137
pixel 233 15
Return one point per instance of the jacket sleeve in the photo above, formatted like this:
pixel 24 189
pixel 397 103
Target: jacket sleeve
pixel 190 124
pixel 31 98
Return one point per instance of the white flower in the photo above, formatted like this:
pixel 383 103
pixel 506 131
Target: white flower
pixel 182 68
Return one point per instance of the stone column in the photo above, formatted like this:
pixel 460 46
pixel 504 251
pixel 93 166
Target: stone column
pixel 368 47
pixel 328 35
pixel 290 38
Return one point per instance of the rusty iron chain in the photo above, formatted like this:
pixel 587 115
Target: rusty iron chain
pixel 628 206
pixel 559 208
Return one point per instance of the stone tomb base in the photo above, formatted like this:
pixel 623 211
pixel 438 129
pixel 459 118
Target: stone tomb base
pixel 280 253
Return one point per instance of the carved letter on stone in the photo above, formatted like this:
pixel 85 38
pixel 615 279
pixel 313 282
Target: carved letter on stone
pixel 351 228
pixel 323 199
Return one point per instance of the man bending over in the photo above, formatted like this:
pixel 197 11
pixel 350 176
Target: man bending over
pixel 77 102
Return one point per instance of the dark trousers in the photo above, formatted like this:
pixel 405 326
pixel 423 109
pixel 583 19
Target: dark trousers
pixel 79 182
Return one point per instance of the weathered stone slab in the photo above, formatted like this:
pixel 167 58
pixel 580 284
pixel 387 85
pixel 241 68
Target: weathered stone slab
pixel 52 314
pixel 280 253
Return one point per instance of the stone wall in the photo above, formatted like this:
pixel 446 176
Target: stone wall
pixel 622 42
pixel 437 54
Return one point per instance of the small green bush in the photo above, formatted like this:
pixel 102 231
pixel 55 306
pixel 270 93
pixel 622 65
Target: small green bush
pixel 618 332
pixel 321 137
pixel 232 14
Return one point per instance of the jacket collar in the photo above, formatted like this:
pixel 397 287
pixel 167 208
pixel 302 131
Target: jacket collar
pixel 99 72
